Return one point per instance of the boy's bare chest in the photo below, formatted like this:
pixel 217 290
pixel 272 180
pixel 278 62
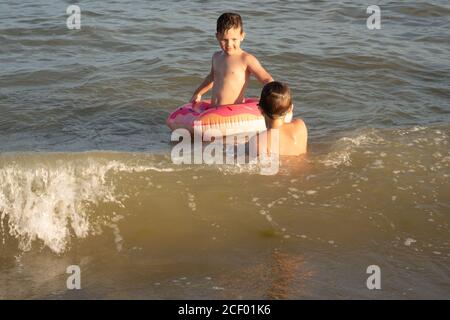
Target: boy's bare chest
pixel 230 66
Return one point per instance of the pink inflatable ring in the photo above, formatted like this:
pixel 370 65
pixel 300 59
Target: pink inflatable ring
pixel 229 119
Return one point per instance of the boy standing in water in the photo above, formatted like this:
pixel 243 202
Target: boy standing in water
pixel 231 67
pixel 292 138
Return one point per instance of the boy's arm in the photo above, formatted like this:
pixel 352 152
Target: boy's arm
pixel 257 70
pixel 204 87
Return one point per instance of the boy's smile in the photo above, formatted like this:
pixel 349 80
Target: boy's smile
pixel 230 41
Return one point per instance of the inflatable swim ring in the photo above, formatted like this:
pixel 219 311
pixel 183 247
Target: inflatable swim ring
pixel 229 119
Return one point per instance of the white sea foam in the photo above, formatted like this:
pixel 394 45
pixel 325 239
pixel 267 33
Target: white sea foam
pixel 46 202
pixel 346 146
pixel 377 164
pixel 50 202
pixel 191 202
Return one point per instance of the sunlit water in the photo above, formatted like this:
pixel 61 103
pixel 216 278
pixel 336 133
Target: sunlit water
pixel 86 176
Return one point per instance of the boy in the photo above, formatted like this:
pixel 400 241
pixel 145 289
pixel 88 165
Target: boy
pixel 231 67
pixel 275 103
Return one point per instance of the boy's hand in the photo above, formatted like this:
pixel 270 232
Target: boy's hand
pixel 196 98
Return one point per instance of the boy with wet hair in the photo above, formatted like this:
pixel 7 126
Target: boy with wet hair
pixel 231 67
pixel 275 104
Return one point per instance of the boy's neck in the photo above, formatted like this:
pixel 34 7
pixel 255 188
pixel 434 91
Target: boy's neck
pixel 274 124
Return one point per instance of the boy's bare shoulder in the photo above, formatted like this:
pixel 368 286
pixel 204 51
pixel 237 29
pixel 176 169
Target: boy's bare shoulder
pixel 299 124
pixel 249 57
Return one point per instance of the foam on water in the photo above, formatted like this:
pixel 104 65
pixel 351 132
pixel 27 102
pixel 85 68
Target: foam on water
pixel 51 201
pixel 346 146
pixel 46 203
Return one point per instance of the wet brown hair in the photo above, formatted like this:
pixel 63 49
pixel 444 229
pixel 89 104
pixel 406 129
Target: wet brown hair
pixel 275 99
pixel 227 21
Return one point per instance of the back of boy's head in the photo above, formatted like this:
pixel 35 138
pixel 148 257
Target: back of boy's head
pixel 275 99
pixel 227 21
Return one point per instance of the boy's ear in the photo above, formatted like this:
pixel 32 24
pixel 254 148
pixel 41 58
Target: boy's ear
pixel 242 36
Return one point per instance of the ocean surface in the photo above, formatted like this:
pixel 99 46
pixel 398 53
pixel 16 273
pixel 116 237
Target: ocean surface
pixel 87 179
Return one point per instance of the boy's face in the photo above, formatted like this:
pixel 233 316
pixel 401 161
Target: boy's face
pixel 230 41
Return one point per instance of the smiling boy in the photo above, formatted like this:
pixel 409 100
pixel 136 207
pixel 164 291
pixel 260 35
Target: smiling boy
pixel 231 67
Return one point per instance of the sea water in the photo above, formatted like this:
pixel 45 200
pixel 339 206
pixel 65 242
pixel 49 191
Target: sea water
pixel 86 176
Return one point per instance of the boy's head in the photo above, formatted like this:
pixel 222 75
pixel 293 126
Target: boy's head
pixel 229 20
pixel 276 100
pixel 230 32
